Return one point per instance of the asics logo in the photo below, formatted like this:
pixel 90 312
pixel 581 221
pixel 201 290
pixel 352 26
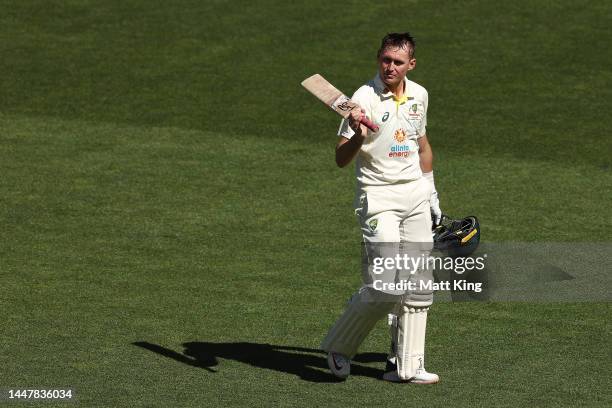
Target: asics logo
pixel 336 366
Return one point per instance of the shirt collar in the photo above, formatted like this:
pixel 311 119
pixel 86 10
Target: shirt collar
pixel 381 88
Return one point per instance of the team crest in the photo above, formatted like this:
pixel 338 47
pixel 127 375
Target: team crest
pixel 399 135
pixel 373 224
pixel 414 108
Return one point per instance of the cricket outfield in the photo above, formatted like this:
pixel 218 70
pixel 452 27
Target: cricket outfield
pixel 175 231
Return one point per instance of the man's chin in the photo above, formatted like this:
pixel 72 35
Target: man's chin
pixel 391 82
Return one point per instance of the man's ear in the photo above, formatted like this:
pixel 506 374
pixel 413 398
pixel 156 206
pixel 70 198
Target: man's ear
pixel 411 64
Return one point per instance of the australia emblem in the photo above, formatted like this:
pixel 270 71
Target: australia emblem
pixel 373 224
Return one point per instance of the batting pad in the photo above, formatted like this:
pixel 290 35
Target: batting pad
pixel 410 342
pixel 423 295
pixel 365 308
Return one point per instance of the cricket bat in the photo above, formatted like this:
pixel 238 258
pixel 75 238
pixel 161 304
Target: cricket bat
pixel 336 100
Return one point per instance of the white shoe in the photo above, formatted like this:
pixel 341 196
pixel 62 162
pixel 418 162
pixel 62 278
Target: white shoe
pixel 339 365
pixel 421 377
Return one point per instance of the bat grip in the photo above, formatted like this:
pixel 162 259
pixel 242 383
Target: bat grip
pixel 368 123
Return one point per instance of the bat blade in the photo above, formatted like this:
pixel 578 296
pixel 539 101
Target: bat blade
pixel 333 98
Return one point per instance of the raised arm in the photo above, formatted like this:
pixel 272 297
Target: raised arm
pixel 347 149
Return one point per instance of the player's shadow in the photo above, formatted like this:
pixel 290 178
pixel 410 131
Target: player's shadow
pixel 308 364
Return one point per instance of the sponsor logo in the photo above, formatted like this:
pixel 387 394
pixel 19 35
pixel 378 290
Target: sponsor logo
pixel 399 154
pixel 401 148
pixel 399 135
pixel 336 365
pixel 346 106
pixel 343 103
pixel 405 149
pixel 385 117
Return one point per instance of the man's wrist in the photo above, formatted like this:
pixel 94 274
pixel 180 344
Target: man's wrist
pixel 357 132
pixel 358 136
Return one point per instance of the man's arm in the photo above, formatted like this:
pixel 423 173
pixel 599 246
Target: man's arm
pixel 425 154
pixel 426 161
pixel 347 149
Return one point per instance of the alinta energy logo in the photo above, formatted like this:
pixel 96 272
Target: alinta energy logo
pixel 402 149
pixel 400 135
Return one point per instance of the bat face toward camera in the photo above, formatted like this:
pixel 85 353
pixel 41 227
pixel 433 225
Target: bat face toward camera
pixel 332 97
pixel 328 94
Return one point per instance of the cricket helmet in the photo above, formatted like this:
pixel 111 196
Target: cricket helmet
pixel 457 237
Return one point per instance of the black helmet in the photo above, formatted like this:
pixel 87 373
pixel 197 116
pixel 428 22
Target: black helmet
pixel 457 237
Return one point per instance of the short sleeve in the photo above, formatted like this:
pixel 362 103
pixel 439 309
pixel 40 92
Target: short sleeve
pixel 422 130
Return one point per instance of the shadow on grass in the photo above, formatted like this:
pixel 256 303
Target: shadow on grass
pixel 308 364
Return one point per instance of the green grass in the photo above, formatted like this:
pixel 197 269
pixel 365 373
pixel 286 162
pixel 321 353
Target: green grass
pixel 165 180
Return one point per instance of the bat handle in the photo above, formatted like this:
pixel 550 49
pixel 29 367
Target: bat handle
pixel 369 124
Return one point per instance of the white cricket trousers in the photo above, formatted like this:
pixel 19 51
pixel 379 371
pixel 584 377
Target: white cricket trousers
pixel 387 214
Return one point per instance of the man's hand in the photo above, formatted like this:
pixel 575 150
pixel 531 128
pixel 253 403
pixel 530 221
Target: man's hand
pixel 354 119
pixel 436 212
pixel 434 201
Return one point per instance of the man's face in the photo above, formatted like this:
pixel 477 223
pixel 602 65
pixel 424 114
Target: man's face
pixel 393 64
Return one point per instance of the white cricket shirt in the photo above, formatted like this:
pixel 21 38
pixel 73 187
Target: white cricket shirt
pixel 390 155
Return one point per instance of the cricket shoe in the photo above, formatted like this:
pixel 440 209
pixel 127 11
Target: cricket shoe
pixel 339 365
pixel 421 377
pixel 391 364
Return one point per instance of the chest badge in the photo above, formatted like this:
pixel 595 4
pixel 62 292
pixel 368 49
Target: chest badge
pixel 399 135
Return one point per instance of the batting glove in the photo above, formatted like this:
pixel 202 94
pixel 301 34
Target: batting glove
pixel 436 212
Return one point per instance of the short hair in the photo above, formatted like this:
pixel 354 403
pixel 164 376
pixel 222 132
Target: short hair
pixel 398 40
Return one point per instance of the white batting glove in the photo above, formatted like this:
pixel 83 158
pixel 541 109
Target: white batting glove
pixel 436 212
